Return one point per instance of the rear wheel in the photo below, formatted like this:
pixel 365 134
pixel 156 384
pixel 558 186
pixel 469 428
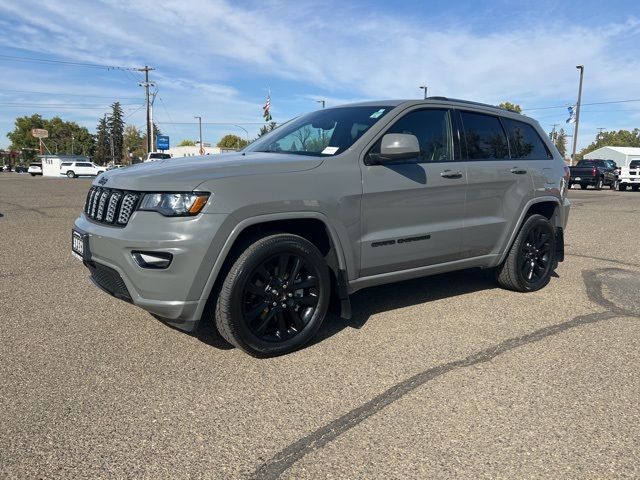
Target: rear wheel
pixel 71 174
pixel 531 259
pixel 621 187
pixel 33 174
pixel 275 296
pixel 599 184
pixel 583 186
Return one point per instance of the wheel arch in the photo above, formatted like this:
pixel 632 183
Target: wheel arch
pixel 313 226
pixel 547 206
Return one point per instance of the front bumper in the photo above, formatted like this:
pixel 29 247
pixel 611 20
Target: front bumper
pixel 176 293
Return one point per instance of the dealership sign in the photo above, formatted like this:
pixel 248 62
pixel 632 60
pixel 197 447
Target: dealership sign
pixel 40 133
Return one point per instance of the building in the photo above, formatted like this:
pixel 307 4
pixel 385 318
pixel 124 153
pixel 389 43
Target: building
pixel 621 155
pixel 192 151
pixel 51 163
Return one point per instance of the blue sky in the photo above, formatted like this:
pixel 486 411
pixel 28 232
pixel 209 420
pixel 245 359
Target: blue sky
pixel 218 58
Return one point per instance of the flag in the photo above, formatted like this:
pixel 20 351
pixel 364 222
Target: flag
pixel 572 114
pixel 267 109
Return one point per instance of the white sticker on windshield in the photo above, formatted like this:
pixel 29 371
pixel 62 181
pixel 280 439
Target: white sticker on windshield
pixel 330 150
pixel 377 114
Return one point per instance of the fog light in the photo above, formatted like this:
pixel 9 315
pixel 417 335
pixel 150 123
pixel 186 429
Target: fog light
pixel 153 260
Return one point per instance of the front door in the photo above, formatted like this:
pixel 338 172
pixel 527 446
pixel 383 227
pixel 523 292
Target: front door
pixel 412 212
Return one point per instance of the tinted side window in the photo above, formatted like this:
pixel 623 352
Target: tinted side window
pixel 484 136
pixel 432 127
pixel 65 164
pixel 524 141
pixel 85 165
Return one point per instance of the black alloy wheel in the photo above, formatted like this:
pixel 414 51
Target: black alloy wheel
pixel 536 255
pixel 274 296
pixel 280 297
pixel 531 258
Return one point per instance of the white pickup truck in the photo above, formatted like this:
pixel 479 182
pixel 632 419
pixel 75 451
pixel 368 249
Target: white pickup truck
pixel 153 156
pixel 629 176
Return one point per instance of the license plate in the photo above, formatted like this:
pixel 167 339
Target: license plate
pixel 77 245
pixel 578 179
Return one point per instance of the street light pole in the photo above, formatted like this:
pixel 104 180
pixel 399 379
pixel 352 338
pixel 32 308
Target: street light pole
pixel 200 129
pixel 72 144
pixel 424 87
pixel 575 129
pixel 245 131
pixel 321 101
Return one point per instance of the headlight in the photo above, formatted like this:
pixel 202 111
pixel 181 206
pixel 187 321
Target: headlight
pixel 174 204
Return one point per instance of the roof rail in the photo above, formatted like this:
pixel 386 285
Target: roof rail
pixel 469 102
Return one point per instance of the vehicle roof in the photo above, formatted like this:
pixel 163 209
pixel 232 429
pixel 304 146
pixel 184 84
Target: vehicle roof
pixel 429 101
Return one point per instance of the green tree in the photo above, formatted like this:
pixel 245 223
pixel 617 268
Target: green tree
pixel 116 131
pixel 514 107
pixel 269 127
pixel 133 143
pixel 187 143
pixel 21 138
pixel 231 141
pixel 102 147
pixel 620 138
pixel 560 141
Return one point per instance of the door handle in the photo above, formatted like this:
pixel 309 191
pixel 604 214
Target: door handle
pixel 451 174
pixel 518 171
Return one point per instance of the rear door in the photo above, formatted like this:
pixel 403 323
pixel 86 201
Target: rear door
pixel 412 211
pixel 498 186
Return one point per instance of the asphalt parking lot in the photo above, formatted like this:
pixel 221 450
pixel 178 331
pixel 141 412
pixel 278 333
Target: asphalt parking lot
pixel 441 377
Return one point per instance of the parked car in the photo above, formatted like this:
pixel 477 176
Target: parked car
pixel 114 166
pixel 629 176
pixel 80 169
pixel 596 173
pixel 35 169
pixel 21 169
pixel 153 156
pixel 329 203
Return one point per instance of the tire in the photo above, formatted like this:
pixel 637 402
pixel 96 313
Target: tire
pixel 583 186
pixel 621 187
pixel 33 174
pixel 635 188
pixel 569 185
pixel 513 274
pixel 614 185
pixel 71 174
pixel 259 311
pixel 599 184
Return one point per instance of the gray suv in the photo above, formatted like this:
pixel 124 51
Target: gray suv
pixel 262 242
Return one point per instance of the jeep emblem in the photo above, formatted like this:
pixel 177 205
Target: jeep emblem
pixel 103 180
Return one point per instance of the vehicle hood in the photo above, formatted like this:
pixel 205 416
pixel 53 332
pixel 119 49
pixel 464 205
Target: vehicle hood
pixel 185 174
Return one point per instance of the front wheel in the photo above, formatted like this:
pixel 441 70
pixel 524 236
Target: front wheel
pixel 599 184
pixel 621 187
pixel 530 261
pixel 274 297
pixel 583 186
pixel 71 174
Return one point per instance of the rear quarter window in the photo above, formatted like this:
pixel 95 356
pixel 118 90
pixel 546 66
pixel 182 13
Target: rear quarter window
pixel 65 164
pixel 524 141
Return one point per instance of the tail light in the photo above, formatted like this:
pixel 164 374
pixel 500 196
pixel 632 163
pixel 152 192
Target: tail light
pixel 594 171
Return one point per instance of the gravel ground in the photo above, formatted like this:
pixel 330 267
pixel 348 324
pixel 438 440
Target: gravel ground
pixel 440 377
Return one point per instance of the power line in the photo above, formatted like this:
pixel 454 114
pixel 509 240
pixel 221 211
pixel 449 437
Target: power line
pixel 68 94
pixel 211 123
pixel 584 104
pixel 64 62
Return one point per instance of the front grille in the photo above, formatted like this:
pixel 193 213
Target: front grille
pixel 106 205
pixel 109 280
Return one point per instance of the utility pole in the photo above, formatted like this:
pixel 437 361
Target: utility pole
pixel 72 144
pixel 321 101
pixel 554 134
pixel 200 128
pixel 153 99
pixel 146 85
pixel 600 130
pixel 424 87
pixel 245 131
pixel 575 129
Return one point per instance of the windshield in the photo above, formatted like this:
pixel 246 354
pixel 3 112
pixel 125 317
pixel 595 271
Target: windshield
pixel 634 164
pixel 322 133
pixel 159 155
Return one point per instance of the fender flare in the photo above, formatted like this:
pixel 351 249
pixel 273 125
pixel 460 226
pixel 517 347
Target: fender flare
pixel 250 221
pixel 525 210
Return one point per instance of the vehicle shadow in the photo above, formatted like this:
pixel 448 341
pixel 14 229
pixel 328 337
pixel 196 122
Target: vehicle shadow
pixel 371 301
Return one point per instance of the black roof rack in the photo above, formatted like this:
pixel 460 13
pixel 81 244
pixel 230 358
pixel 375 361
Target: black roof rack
pixel 469 102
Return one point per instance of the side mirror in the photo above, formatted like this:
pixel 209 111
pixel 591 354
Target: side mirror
pixel 397 147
